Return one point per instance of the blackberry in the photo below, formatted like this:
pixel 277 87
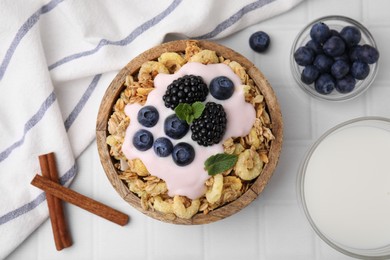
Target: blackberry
pixel 210 127
pixel 187 89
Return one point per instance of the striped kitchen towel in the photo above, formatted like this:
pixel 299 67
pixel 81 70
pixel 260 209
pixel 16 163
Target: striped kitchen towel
pixel 57 57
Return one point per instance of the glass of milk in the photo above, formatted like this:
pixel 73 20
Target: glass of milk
pixel 344 187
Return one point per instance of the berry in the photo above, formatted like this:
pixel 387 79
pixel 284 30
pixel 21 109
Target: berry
pixel 338 56
pixel 339 69
pixel 304 56
pixel 320 32
pixel 360 70
pixel 174 127
pixel 334 46
pixel 343 57
pixel 143 140
pixel 183 154
pixel 333 32
pixel 221 88
pixel 163 147
pixel 187 89
pixel 210 127
pixel 351 35
pixel 315 46
pixel 309 74
pixel 325 84
pixel 346 84
pixel 323 63
pixel 354 53
pixel 259 41
pixel 148 116
pixel 368 54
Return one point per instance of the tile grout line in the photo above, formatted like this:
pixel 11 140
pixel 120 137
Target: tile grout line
pixel 94 224
pixel 205 241
pixel 148 239
pixel 260 232
pixel 257 234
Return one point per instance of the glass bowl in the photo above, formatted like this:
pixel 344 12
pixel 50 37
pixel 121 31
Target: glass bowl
pixel 343 187
pixel 337 23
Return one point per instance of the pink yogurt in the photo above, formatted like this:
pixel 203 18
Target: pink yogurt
pixel 188 180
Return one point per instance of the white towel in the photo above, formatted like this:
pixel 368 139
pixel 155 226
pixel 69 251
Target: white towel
pixel 56 60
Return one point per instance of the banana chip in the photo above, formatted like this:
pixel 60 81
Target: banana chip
pixel 181 211
pixel 214 193
pixel 162 206
pixel 148 71
pixel 248 165
pixel 172 60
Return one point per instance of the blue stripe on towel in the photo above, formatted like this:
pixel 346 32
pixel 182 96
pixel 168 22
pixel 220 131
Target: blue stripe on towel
pixel 29 125
pixel 131 37
pixel 37 201
pixel 234 18
pixel 23 30
pixel 83 100
pixel 68 123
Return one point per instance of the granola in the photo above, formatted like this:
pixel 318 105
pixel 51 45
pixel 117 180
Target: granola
pixel 252 150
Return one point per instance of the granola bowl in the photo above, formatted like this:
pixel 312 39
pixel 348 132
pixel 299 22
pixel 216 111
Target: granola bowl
pixel 335 23
pixel 212 187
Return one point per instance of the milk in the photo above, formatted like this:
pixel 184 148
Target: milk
pixel 347 187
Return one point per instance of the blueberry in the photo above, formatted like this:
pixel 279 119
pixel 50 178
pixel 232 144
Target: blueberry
pixel 143 140
pixel 259 41
pixel 148 116
pixel 355 53
pixel 174 127
pixel 325 84
pixel 334 32
pixel 343 57
pixel 320 32
pixel 221 88
pixel 368 54
pixel 334 46
pixel 315 46
pixel 339 69
pixel 323 62
pixel 304 56
pixel 360 70
pixel 346 84
pixel 309 74
pixel 183 154
pixel 163 147
pixel 351 35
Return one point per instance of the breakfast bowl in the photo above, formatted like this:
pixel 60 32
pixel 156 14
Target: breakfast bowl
pixel 152 124
pixel 337 56
pixel 343 187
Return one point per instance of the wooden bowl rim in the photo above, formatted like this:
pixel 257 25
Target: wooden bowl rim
pixel 115 88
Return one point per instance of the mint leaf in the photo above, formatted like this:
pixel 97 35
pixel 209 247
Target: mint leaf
pixel 219 163
pixel 189 112
pixel 189 118
pixel 197 109
pixel 182 110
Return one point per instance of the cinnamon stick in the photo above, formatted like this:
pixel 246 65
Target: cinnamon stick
pixel 62 224
pixel 62 238
pixel 80 200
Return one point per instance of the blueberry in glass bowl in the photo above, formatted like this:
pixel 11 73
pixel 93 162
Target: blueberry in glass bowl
pixel 334 58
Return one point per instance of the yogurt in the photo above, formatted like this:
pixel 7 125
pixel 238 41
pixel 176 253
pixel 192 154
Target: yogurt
pixel 347 187
pixel 188 180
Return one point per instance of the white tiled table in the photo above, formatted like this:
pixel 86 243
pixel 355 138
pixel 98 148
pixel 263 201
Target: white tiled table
pixel 272 227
